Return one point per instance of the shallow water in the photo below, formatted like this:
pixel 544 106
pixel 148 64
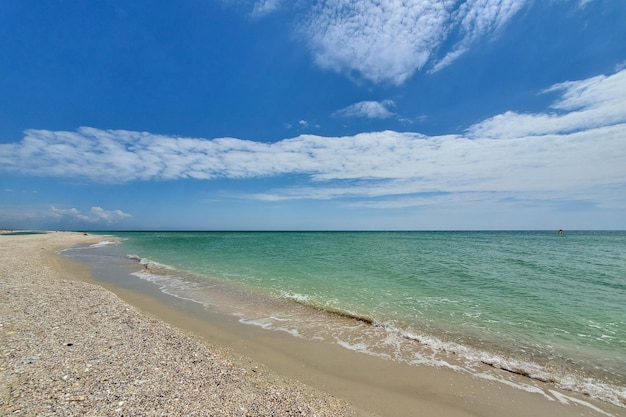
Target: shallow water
pixel 548 306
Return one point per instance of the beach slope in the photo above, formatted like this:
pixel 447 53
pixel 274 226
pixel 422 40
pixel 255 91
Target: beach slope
pixel 69 347
pixel 72 348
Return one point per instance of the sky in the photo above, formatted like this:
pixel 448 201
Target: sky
pixel 313 115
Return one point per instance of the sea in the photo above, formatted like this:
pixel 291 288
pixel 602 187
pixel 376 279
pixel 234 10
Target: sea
pixel 549 306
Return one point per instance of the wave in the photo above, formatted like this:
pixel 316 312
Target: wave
pixel 152 266
pixel 470 358
pixel 104 243
pixel 410 343
pixel 306 301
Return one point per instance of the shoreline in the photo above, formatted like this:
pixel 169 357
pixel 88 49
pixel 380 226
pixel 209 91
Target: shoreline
pixel 73 348
pixel 379 386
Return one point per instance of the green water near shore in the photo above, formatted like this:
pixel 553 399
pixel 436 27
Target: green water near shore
pixel 549 306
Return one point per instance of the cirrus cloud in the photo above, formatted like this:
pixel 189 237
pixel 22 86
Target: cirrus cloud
pixel 594 102
pixel 388 41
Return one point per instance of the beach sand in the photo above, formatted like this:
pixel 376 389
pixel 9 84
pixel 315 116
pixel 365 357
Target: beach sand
pixel 70 347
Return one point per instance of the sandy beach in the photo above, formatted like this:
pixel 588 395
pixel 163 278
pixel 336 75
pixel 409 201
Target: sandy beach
pixel 71 347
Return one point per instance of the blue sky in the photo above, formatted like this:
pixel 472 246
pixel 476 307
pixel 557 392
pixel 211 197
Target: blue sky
pixel 339 114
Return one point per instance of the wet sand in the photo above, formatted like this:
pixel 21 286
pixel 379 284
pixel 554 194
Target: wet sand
pixel 71 346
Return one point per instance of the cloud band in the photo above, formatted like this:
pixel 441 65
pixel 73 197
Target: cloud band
pixel 581 141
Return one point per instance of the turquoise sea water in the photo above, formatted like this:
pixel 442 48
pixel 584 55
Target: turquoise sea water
pixel 548 306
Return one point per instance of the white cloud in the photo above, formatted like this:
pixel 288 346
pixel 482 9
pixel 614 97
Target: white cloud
pixel 256 8
pixel 577 148
pixel 264 7
pixel 367 109
pixel 594 102
pixel 479 18
pixel 388 41
pixel 94 215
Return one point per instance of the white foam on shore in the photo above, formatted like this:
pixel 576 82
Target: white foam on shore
pixel 100 244
pixel 394 343
pixel 533 389
pixel 151 265
pixel 104 243
pixel 170 285
pixel 267 323
pixel 382 340
pixel 564 399
pixel 472 359
pixel 298 298
pixel 360 347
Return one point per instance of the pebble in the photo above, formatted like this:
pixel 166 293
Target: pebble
pixel 127 359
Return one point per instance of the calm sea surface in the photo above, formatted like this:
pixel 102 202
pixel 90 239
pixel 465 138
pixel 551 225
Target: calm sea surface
pixel 548 306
